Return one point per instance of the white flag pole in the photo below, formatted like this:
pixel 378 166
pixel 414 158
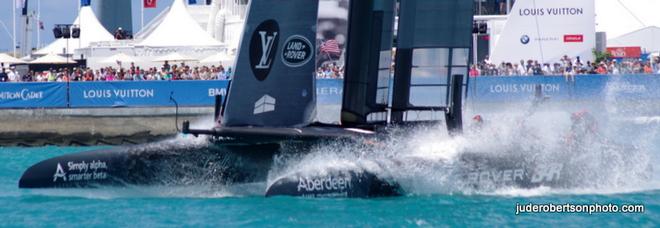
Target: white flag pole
pixel 39 23
pixel 142 16
pixel 13 10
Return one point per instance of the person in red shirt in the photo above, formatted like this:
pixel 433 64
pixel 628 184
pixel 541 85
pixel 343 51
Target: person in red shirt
pixel 473 71
pixel 601 69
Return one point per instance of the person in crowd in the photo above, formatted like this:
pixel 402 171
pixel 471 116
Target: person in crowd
pixel 28 77
pixel 228 74
pixel 119 34
pixel 51 75
pixel 13 75
pixel 166 66
pixel 138 74
pixel 474 72
pixel 3 75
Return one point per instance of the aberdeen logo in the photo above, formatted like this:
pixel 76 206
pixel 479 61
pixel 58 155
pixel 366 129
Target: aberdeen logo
pixel 263 46
pixel 297 51
pixel 264 104
pixel 524 39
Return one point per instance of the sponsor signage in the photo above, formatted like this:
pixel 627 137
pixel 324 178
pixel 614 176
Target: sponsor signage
pixel 592 87
pixel 573 38
pixel 625 52
pixel 81 171
pixel 297 51
pixel 33 95
pixel 329 91
pixel 546 30
pixel 145 93
pixel 263 46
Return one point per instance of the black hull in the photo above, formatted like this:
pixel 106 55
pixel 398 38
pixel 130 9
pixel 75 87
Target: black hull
pixel 154 164
pixel 335 184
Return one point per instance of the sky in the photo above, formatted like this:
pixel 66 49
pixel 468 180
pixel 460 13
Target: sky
pixel 618 17
pixel 59 12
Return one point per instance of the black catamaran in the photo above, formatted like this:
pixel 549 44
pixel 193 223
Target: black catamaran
pixel 271 105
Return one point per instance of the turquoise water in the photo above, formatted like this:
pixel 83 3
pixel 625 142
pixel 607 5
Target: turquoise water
pixel 180 207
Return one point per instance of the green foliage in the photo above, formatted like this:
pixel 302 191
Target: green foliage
pixel 600 56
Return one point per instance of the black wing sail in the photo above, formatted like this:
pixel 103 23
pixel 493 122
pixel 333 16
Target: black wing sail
pixel 433 44
pixel 368 61
pixel 274 84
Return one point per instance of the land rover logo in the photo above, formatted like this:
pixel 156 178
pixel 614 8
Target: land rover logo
pixel 263 46
pixel 297 51
pixel 524 39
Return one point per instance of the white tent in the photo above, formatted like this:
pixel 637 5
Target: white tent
pixel 217 58
pixel 179 29
pixel 91 30
pixel 619 17
pixel 648 38
pixel 120 57
pixel 52 59
pixel 7 59
pixel 174 57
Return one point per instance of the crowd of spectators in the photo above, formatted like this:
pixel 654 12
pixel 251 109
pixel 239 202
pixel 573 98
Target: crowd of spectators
pixel 132 73
pixel 330 71
pixel 566 66
pixel 491 7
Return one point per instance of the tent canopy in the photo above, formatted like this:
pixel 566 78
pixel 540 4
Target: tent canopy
pixel 52 59
pixel 174 57
pixel 217 58
pixel 648 38
pixel 91 30
pixel 7 59
pixel 178 29
pixel 618 17
pixel 119 57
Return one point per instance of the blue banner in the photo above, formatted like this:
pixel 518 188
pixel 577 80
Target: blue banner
pixel 504 89
pixel 145 93
pixel 329 91
pixel 583 87
pixel 33 95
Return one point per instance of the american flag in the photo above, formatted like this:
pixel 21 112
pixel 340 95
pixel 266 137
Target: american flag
pixel 330 47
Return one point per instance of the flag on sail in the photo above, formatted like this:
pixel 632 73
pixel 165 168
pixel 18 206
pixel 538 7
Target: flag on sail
pixel 85 3
pixel 330 47
pixel 192 2
pixel 149 3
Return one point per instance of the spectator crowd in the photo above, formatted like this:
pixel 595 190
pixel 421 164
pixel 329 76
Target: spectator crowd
pixel 566 66
pixel 330 71
pixel 132 73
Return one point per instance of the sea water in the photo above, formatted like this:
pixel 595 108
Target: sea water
pixel 172 207
pixel 432 196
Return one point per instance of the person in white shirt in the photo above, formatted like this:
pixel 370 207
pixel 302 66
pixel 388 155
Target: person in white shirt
pixel 13 76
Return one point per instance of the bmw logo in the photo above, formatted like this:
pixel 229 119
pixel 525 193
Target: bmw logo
pixel 524 39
